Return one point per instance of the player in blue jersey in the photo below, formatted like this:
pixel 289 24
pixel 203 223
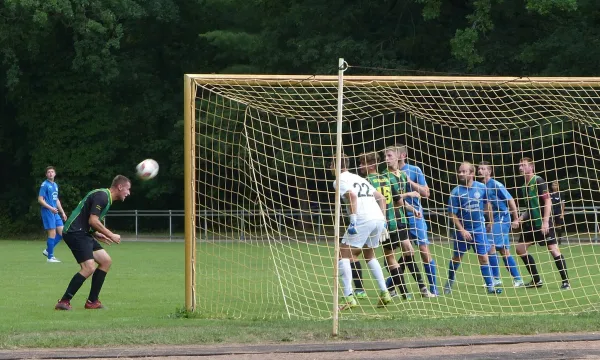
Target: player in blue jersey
pixel 395 157
pixel 465 207
pixel 53 214
pixel 499 202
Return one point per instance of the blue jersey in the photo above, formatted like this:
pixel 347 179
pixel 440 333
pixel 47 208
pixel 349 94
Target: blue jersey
pixel 467 204
pixel 498 197
pixel 49 192
pixel 415 174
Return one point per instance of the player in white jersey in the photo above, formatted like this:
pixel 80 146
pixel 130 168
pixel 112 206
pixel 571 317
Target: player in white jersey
pixel 366 208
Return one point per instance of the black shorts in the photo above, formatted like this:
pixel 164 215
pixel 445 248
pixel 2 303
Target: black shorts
pixel 558 221
pixel 396 237
pixel 533 235
pixel 82 245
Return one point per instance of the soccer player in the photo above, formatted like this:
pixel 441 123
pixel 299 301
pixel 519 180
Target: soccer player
pixel 500 201
pixel 395 157
pixel 538 228
pixel 51 208
pixel 366 209
pixel 465 207
pixel 558 211
pixel 83 231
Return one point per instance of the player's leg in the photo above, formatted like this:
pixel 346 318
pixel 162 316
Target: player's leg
pixel 493 263
pixel 525 241
pixel 418 232
pixel 408 256
pixel 396 273
pixel 460 246
pixel 511 266
pixel 482 248
pixel 357 278
pixel 559 259
pixel 81 246
pixel 104 262
pixel 58 225
pixel 350 247
pixel 369 254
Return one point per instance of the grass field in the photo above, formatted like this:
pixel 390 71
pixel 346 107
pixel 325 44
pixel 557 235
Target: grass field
pixel 144 294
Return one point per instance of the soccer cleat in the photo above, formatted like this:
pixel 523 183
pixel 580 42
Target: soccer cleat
pixel 360 294
pixel 518 283
pixel 63 305
pixel 348 302
pixel 384 298
pixel 53 260
pixel 448 287
pixel 493 291
pixel 97 304
pixel 45 253
pixel 407 296
pixel 426 294
pixel 565 286
pixel 497 282
pixel 532 284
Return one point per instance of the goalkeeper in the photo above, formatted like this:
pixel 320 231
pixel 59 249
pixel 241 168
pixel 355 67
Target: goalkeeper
pixel 366 208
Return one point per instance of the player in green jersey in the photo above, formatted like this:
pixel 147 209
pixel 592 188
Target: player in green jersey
pixel 393 186
pixel 538 227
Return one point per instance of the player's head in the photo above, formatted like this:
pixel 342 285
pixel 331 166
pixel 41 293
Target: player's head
pixel 526 166
pixel 555 186
pixel 120 187
pixel 344 166
pixel 394 155
pixel 466 173
pixel 50 173
pixel 485 169
pixel 368 162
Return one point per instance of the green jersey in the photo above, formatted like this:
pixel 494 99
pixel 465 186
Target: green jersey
pixel 96 202
pixel 382 184
pixel 533 191
pixel 398 181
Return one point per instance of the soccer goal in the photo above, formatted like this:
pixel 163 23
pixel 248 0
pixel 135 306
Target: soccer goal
pixel 261 208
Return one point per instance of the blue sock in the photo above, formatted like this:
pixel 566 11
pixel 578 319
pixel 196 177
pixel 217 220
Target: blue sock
pixel 50 247
pixel 432 277
pixel 389 283
pixel 487 276
pixel 494 265
pixel 452 267
pixel 57 239
pixel 511 265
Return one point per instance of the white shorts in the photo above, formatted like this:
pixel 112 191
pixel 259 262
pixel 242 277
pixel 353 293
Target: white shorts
pixel 368 234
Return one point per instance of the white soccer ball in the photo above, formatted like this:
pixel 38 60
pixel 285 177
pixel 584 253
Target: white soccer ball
pixel 147 169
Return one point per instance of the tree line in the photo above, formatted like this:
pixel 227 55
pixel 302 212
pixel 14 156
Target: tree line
pixel 93 87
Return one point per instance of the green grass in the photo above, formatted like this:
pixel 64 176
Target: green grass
pixel 144 293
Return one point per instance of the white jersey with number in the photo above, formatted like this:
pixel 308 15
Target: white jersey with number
pixel 367 207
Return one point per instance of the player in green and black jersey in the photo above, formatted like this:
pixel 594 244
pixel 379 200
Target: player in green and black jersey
pixel 537 225
pixel 82 231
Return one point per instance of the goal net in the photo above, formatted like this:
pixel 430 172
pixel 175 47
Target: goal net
pixel 262 208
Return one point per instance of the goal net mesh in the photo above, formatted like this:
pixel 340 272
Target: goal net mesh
pixel 265 200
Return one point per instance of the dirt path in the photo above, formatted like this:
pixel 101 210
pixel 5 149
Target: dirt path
pixel 552 346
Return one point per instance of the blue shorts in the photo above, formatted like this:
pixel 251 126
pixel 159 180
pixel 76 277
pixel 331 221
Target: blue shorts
pixel 50 220
pixel 479 244
pixel 417 230
pixel 499 235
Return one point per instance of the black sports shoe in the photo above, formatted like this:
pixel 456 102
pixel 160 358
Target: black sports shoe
pixel 532 284
pixel 565 286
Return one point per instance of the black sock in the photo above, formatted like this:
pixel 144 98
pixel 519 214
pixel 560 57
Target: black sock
pixel 97 282
pixel 357 274
pixel 530 265
pixel 74 286
pixel 414 270
pixel 561 265
pixel 398 280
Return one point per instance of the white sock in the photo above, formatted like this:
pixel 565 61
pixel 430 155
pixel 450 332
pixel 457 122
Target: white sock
pixel 346 275
pixel 377 273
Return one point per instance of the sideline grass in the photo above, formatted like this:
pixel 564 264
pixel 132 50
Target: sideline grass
pixel 144 293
